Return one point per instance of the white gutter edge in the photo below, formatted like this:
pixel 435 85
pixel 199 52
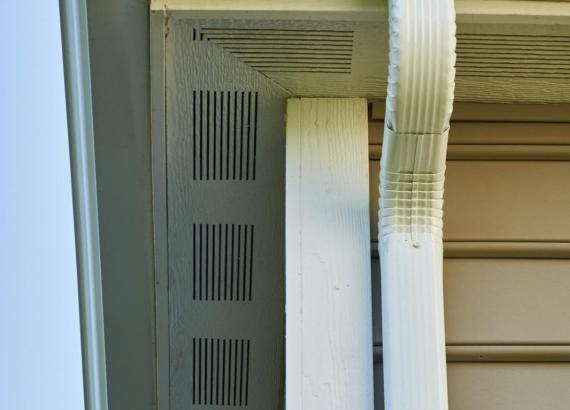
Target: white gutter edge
pixel 83 178
pixel 418 109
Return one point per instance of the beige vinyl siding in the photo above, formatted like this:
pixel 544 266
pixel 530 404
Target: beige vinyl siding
pixel 507 265
pixel 501 201
pixel 501 386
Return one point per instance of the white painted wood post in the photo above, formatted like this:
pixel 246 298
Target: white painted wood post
pixel 328 290
pixel 418 108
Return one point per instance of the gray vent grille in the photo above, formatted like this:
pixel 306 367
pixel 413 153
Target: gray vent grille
pixel 286 50
pixel 224 135
pixel 506 55
pixel 222 262
pixel 220 372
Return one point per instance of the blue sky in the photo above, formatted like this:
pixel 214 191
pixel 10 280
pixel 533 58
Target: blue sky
pixel 40 351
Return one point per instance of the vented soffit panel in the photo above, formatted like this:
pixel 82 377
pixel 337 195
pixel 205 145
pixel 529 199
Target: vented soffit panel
pixel 507 51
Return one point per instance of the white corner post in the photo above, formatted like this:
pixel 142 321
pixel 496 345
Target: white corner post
pixel 328 290
pixel 418 108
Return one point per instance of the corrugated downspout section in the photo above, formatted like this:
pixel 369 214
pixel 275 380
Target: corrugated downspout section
pixel 418 108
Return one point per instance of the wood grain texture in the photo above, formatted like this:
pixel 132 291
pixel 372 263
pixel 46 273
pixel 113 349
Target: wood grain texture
pixel 500 201
pixel 328 350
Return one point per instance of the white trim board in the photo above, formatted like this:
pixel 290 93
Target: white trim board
pixel 466 9
pixel 328 289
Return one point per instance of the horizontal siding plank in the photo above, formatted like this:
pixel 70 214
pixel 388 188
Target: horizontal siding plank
pixel 507 301
pixel 497 152
pixel 499 386
pixel 511 112
pixel 494 133
pixel 507 256
pixel 520 250
pixel 498 302
pixel 509 152
pixel 466 111
pixel 507 201
pixel 499 354
pixel 517 250
pixel 497 201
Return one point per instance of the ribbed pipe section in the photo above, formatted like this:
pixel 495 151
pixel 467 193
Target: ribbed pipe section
pixel 421 72
pixel 412 172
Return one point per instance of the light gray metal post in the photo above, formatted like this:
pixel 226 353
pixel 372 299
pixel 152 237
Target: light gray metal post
pixel 82 153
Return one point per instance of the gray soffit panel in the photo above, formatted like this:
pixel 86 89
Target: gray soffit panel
pixel 218 175
pixel 343 51
pixel 309 58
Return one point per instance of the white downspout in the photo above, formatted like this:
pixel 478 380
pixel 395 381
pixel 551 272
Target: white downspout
pixel 418 108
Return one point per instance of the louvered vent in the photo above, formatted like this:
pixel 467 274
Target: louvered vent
pixel 503 55
pixel 285 50
pixel 220 372
pixel 220 228
pixel 224 134
pixel 223 262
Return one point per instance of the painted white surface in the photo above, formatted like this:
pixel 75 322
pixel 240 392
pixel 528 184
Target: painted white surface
pixel 328 289
pixel 412 171
pixel 40 352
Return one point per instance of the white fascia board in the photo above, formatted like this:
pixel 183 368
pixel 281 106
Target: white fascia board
pixel 264 5
pixel 512 12
pixel 468 11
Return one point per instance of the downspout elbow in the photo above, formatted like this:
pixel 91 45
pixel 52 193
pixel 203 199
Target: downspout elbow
pixel 418 108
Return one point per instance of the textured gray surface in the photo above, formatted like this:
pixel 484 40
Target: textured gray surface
pixel 119 48
pixel 224 188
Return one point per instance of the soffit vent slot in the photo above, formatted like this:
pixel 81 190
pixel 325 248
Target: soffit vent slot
pixel 224 135
pixel 220 372
pixel 222 262
pixel 285 50
pixel 220 218
pixel 506 55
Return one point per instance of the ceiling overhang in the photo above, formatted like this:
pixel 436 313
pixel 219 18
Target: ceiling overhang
pixel 507 51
